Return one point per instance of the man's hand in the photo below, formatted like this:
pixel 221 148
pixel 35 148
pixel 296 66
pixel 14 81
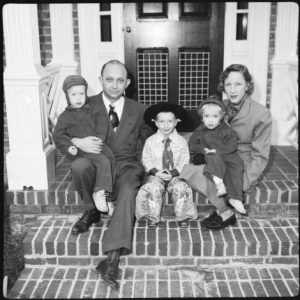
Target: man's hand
pixel 89 144
pixel 209 150
pixel 164 175
pixel 73 150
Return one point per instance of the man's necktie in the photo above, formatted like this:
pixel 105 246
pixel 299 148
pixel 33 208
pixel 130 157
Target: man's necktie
pixel 167 159
pixel 113 117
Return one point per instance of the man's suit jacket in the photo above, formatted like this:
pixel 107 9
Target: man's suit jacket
pixel 252 125
pixel 126 143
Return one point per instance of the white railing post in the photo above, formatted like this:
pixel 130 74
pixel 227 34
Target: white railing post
pixel 284 64
pixel 30 161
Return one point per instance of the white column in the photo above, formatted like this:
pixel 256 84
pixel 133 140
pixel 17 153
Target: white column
pixel 284 97
pixel 30 161
pixel 62 36
pixel 63 54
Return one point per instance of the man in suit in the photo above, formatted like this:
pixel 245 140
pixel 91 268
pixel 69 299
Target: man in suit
pixel 127 132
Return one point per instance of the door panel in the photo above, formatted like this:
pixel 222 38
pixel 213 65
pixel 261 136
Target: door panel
pixel 174 52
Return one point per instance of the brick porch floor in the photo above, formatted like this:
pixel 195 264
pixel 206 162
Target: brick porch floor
pixel 146 282
pixel 258 257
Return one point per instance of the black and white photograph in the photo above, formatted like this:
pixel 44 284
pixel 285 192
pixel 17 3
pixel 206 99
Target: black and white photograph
pixel 150 150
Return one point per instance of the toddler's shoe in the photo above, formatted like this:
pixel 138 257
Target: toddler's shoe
pixel 100 201
pixel 221 189
pixel 238 205
pixel 111 208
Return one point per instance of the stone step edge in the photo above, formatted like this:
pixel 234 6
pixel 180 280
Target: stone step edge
pixel 63 195
pixel 202 265
pixel 148 261
pixel 265 209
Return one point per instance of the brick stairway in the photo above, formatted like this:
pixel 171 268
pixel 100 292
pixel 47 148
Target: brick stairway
pixel 256 257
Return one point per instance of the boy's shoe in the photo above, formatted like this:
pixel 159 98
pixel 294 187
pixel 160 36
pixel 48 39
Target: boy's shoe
pixel 111 208
pixel 221 189
pixel 238 206
pixel 100 201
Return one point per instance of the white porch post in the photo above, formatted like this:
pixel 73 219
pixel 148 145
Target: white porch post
pixel 30 161
pixel 284 106
pixel 63 58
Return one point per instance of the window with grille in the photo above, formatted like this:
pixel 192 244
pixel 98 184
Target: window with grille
pixel 193 76
pixel 152 75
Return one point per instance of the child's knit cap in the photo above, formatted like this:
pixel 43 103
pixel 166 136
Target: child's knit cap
pixel 214 100
pixel 72 80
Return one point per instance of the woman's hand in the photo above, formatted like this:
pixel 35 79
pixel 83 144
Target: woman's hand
pixel 89 144
pixel 164 175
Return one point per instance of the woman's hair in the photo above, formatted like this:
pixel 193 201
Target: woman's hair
pixel 236 68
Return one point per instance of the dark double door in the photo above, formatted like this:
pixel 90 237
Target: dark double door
pixel 174 52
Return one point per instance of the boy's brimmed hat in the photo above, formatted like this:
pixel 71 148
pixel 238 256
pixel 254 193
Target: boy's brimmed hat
pixel 72 80
pixel 153 110
pixel 214 100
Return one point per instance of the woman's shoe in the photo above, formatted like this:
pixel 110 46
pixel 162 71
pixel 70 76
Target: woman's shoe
pixel 207 220
pixel 238 206
pixel 218 223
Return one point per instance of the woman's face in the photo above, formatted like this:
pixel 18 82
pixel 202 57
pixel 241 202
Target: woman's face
pixel 235 87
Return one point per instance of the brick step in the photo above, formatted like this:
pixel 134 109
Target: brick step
pixel 262 202
pixel 276 196
pixel 264 241
pixel 239 280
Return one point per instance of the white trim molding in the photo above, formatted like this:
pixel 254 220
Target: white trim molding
pixel 252 52
pixel 93 52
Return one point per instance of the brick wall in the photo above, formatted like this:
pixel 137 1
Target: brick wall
pixel 45 33
pixel 76 35
pixel 271 50
pixel 5 132
pixel 5 144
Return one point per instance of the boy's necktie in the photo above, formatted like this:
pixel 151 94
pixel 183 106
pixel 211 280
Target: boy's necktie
pixel 113 116
pixel 167 159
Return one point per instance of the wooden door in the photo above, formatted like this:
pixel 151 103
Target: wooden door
pixel 174 52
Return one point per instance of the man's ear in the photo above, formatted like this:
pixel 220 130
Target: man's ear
pixel 100 80
pixel 128 82
pixel 178 120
